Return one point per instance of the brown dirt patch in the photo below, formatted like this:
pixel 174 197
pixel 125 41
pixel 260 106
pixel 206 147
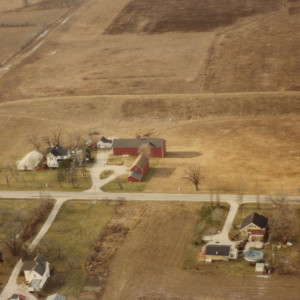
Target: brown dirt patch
pixel 190 15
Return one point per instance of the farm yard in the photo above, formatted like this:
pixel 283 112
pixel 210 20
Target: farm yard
pixel 237 141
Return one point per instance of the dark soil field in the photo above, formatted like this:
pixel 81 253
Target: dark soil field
pixel 176 15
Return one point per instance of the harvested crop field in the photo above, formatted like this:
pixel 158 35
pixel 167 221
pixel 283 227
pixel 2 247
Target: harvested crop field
pixel 175 15
pixel 148 265
pixel 151 47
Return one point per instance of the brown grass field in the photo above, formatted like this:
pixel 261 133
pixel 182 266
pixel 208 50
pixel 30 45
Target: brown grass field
pixel 235 138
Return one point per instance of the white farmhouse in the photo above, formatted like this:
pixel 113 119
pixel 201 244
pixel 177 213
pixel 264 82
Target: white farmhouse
pixel 104 143
pixel 55 155
pixel 36 273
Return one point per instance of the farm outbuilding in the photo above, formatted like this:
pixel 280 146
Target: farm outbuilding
pixel 156 146
pixel 217 252
pixel 139 169
pixel 30 161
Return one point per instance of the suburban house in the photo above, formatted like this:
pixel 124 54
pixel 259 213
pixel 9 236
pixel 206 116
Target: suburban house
pixel 104 143
pixel 254 227
pixel 56 297
pixel 36 272
pixel 139 169
pixel 156 146
pixel 217 252
pixel 55 155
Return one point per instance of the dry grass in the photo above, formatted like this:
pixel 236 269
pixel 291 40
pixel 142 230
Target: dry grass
pixel 15 36
pixel 44 180
pixel 242 137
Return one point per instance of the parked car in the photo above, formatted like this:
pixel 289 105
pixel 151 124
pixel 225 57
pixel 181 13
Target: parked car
pixel 17 297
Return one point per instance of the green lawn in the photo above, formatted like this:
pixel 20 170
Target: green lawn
pixel 210 221
pixel 44 180
pixel 121 184
pixel 9 209
pixel 106 173
pixel 121 160
pixel 68 242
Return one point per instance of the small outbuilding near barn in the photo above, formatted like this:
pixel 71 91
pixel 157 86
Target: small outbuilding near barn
pixel 104 143
pixel 131 146
pixel 30 161
pixel 139 169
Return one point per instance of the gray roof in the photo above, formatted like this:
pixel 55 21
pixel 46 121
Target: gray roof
pixel 41 258
pixel 105 140
pixel 136 175
pixel 14 296
pixel 217 250
pixel 137 143
pixel 57 151
pixel 40 268
pixel 56 297
pixel 141 161
pixel 256 219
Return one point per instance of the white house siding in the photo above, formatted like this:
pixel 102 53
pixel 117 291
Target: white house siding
pixel 45 276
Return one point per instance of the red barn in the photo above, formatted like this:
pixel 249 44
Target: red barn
pixel 131 146
pixel 139 169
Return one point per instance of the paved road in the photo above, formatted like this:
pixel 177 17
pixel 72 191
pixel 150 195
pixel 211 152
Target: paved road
pixel 95 193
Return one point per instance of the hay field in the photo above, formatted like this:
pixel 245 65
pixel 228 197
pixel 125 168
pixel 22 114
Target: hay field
pixel 166 47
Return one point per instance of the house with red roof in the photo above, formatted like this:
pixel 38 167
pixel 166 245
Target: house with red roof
pixel 139 169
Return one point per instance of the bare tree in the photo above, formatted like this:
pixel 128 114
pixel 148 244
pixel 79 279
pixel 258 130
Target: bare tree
pixel 47 140
pixel 4 172
pixel 240 193
pixel 34 140
pixel 10 167
pixel 146 150
pixel 75 141
pixel 283 220
pixel 56 136
pixel 257 193
pixel 193 174
pixel 11 238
